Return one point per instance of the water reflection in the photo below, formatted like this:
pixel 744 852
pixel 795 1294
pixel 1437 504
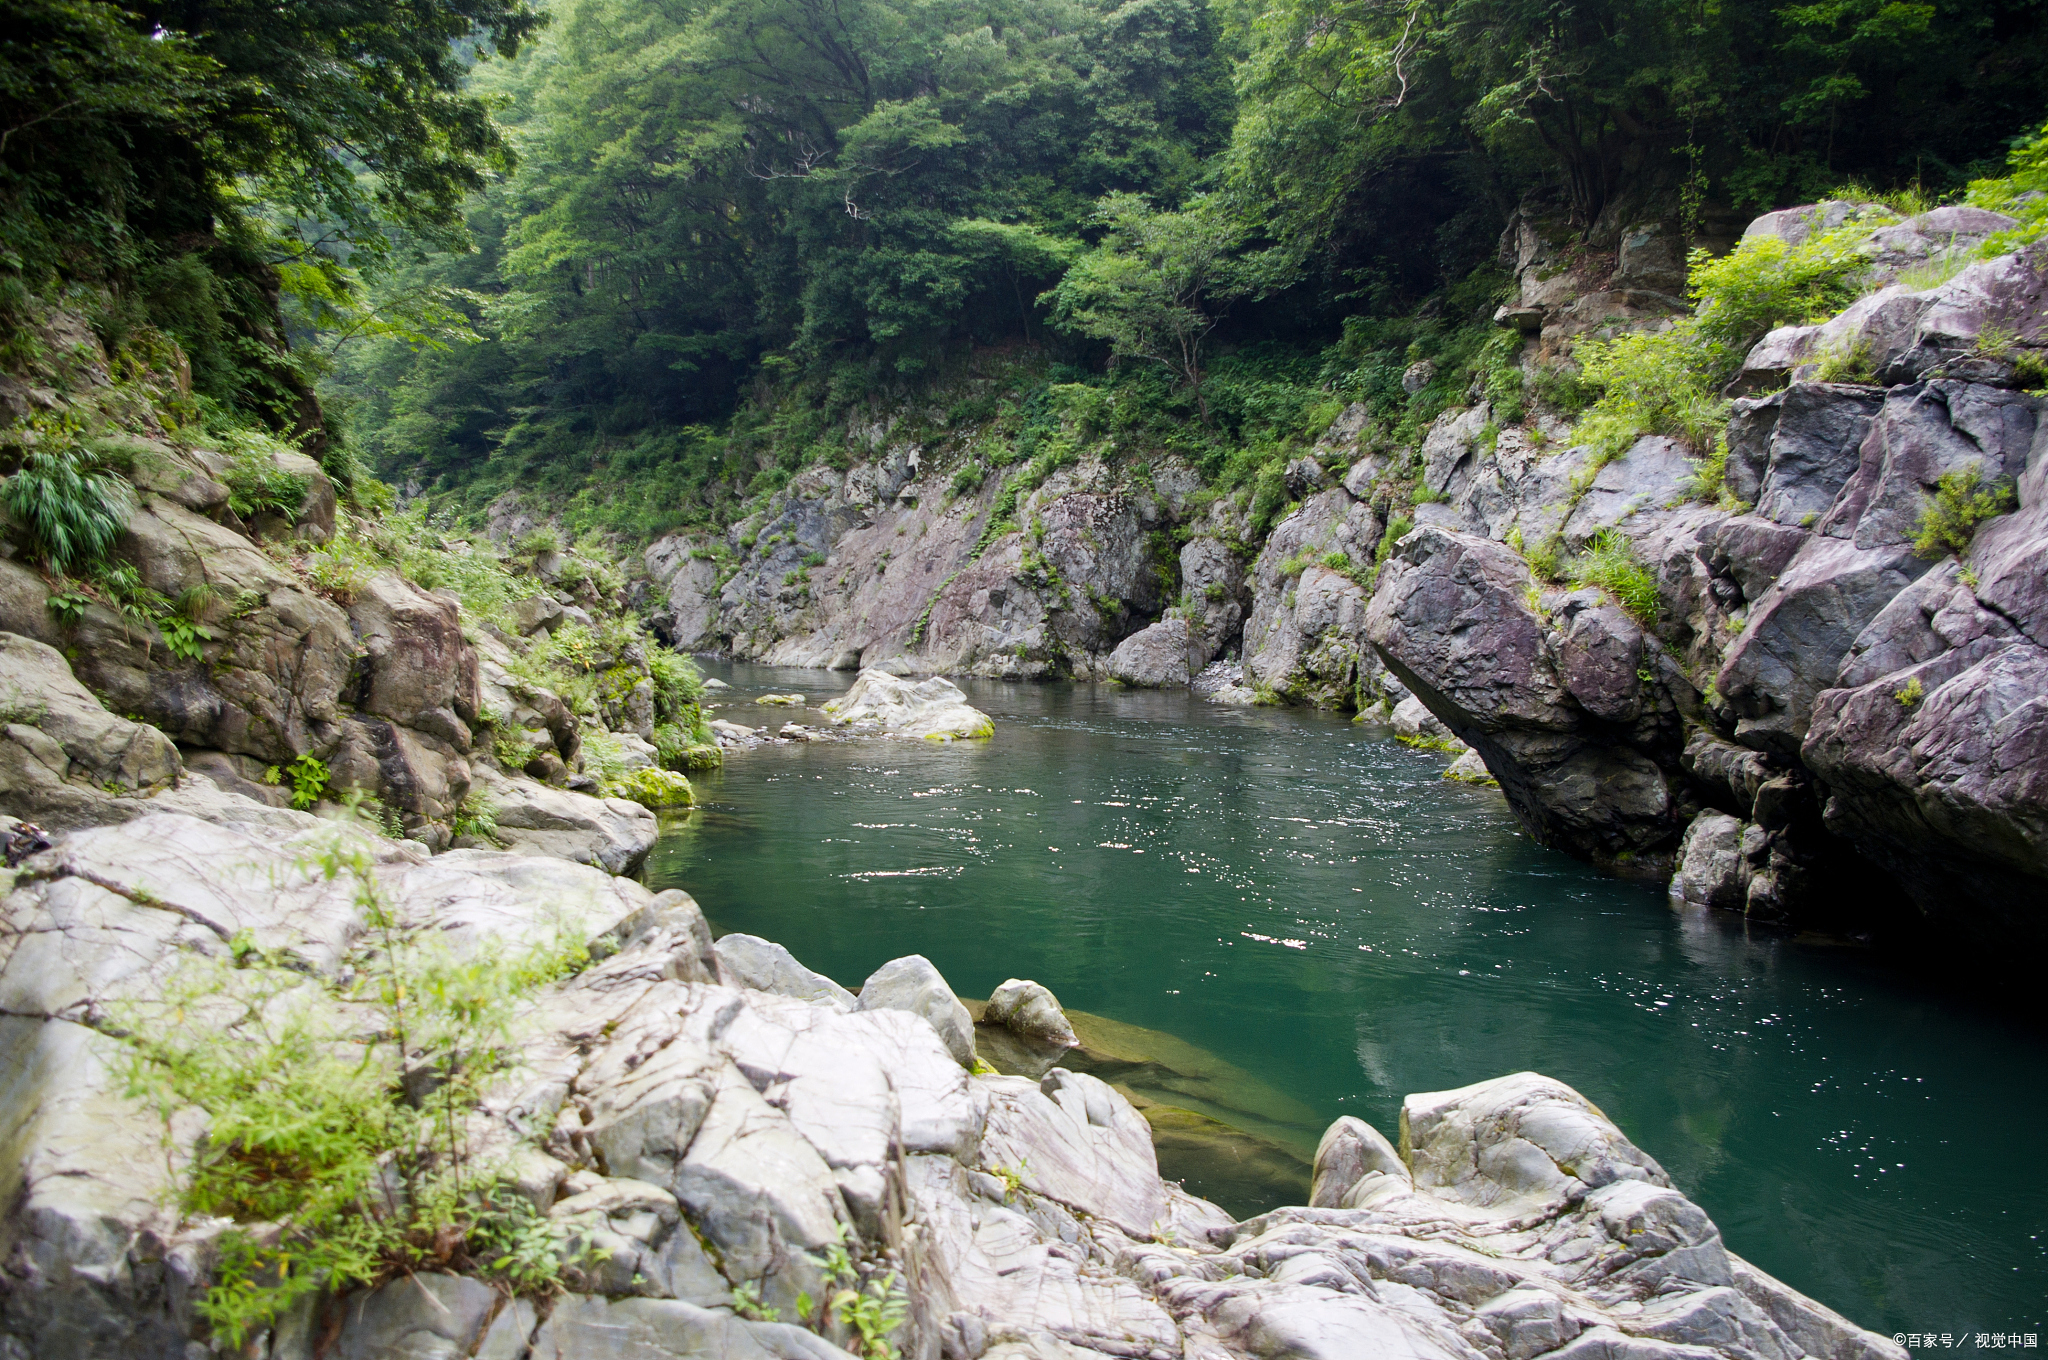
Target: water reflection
pixel 1311 904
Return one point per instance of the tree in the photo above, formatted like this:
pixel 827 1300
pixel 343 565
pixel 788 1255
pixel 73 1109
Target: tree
pixel 1159 283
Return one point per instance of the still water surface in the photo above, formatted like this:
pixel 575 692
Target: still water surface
pixel 1309 901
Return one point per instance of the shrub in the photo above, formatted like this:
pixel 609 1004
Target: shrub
pixel 678 748
pixel 1609 562
pixel 1961 502
pixel 1651 383
pixel 72 509
pixel 476 815
pixel 309 780
pixel 1912 693
pixel 256 484
pixel 1764 283
pixel 338 1110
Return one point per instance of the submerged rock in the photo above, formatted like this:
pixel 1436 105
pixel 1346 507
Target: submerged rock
pixel 932 708
pixel 1030 1010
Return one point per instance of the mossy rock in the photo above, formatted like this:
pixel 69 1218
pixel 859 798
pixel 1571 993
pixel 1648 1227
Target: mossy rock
pixel 655 788
pixel 702 756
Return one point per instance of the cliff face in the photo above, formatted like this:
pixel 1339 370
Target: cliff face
pixel 1811 709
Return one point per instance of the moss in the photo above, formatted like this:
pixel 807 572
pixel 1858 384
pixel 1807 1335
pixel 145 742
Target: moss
pixel 654 788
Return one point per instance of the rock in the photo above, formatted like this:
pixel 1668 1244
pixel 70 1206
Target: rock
pixel 589 1328
pixel 765 966
pixel 933 708
pixel 426 1315
pixel 1600 656
pixel 1470 768
pixel 1450 450
pixel 1212 579
pixel 702 1138
pixel 1453 621
pixel 1354 1161
pixel 1794 225
pixel 415 775
pixel 1923 433
pixel 913 984
pixel 1513 1143
pixel 535 613
pixel 1304 638
pixel 65 761
pixel 270 681
pixel 1417 376
pixel 1799 630
pixel 611 833
pixel 1153 656
pixel 1304 477
pixel 421 674
pixel 1712 871
pixel 1412 720
pixel 781 700
pixel 687 572
pixel 1030 1010
pixel 1813 450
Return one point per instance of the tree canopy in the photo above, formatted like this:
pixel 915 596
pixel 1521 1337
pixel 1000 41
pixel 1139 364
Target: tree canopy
pixel 617 240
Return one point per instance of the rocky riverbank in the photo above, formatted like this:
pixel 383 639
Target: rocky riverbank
pixel 1806 712
pixel 728 1154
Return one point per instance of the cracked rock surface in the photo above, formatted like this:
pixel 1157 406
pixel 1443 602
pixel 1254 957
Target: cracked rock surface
pixel 709 1136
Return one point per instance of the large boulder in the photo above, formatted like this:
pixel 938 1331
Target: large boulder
pixel 269 682
pixel 1031 1010
pixel 418 671
pixel 614 834
pixel 1933 737
pixel 912 984
pixel 1155 655
pixel 65 761
pixel 1580 743
pixel 1212 584
pixel 1304 638
pixel 932 708
pixel 764 966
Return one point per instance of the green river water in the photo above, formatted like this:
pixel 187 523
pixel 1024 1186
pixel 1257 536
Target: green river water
pixel 1280 917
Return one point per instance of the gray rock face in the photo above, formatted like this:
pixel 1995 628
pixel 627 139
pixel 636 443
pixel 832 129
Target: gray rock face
pixel 1813 450
pixel 764 966
pixel 1712 871
pixel 65 761
pixel 613 833
pixel 419 671
pixel 1031 1010
pixel 1213 582
pixel 1933 745
pixel 1798 632
pixel 1304 638
pixel 1154 655
pixel 1560 716
pixel 912 984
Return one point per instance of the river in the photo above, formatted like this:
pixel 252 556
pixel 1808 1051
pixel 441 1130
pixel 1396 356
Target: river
pixel 1310 903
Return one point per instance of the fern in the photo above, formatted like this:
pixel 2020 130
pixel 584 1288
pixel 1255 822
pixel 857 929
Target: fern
pixel 73 510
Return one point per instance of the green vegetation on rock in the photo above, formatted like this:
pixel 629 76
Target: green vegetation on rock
pixel 336 1139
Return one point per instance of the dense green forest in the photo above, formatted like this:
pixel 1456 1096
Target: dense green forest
pixel 643 258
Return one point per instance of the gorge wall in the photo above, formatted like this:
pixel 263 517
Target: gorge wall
pixel 1813 719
